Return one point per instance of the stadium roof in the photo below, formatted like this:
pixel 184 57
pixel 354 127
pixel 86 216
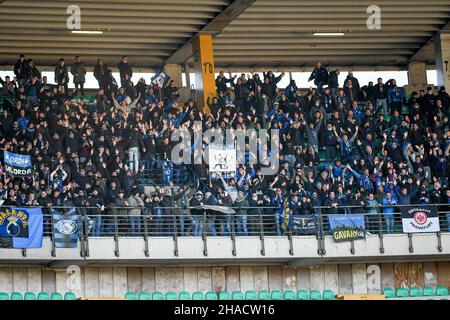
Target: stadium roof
pixel 246 32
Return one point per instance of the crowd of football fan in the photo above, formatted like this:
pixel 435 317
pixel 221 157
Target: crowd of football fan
pixel 379 148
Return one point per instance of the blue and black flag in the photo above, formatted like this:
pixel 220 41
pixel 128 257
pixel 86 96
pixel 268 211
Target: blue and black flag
pixel 21 228
pixel 66 228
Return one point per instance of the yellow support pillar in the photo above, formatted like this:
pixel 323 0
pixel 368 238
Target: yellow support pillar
pixel 205 82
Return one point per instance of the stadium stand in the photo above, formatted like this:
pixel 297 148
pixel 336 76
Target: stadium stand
pixel 103 165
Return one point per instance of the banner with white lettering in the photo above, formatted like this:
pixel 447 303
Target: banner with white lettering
pixel 347 227
pixel 18 164
pixel 420 219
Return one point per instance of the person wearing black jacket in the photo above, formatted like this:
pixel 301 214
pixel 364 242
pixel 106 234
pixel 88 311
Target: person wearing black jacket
pixel 197 213
pixel 330 141
pixel 125 70
pixel 240 94
pixel 21 70
pixel 380 95
pixel 221 83
pixel 133 140
pixel 100 73
pixel 333 84
pixel 320 76
pixel 62 74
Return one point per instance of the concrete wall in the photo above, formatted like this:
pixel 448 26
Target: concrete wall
pixel 113 281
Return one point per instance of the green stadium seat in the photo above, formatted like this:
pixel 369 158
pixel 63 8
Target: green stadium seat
pixel 16 296
pixel 315 295
pixel 144 296
pixel 289 295
pixel 237 295
pixel 70 296
pixel 43 296
pixel 158 296
pixel 415 292
pixel 276 295
pixel 211 295
pixel 29 296
pixel 131 296
pixel 198 296
pixel 428 291
pixel 303 295
pixel 441 291
pixel 389 293
pixel 251 295
pixel 264 295
pixel 4 296
pixel 402 293
pixel 329 295
pixel 183 295
pixel 171 296
pixel 56 296
pixel 224 295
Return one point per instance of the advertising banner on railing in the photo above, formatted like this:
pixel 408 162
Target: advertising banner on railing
pixel 18 164
pixel 420 219
pixel 21 228
pixel 222 159
pixel 66 228
pixel 302 225
pixel 347 227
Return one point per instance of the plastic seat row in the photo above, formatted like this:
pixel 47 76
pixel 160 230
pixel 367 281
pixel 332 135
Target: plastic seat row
pixel 39 296
pixel 236 295
pixel 415 292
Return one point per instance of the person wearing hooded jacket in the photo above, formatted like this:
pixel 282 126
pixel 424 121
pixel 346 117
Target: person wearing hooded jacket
pixel 241 204
pixel 320 76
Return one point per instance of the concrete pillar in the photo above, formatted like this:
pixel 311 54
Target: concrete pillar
pixel 175 73
pixel 442 49
pixel 417 74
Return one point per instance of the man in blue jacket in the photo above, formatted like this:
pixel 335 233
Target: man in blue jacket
pixel 395 97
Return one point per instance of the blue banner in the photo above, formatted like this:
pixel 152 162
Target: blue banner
pixel 347 227
pixel 303 225
pixel 18 164
pixel 66 228
pixel 15 221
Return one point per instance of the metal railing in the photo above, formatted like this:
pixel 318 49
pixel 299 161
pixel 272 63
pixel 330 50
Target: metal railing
pixel 148 222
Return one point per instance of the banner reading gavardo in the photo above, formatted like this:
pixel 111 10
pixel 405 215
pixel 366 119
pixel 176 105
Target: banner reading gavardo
pixel 222 159
pixel 347 227
pixel 21 228
pixel 420 219
pixel 18 164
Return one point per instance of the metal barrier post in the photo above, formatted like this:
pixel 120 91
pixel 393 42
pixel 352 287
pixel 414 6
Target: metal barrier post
pixel 439 241
pixel 81 237
pixel 205 245
pixel 233 235
pixel 411 248
pixel 261 236
pixel 52 237
pixel 24 253
pixel 320 236
pixel 86 237
pixel 146 252
pixel 380 235
pixel 175 236
pixel 116 237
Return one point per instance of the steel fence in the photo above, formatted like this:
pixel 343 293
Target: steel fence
pixel 148 222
